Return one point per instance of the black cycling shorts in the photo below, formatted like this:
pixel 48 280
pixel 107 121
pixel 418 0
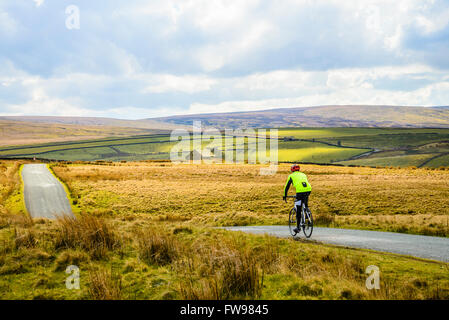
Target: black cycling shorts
pixel 303 196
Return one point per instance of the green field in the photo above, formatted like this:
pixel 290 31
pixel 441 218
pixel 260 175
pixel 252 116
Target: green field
pixel 441 161
pixel 395 161
pixel 348 146
pixel 302 151
pixel 400 147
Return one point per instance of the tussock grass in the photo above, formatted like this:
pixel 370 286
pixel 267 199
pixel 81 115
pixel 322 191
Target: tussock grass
pixel 13 268
pixel 8 178
pixel 216 264
pixel 105 285
pixel 173 217
pixel 10 188
pixel 70 257
pixel 234 274
pixel 424 224
pixel 24 238
pixel 33 257
pixel 15 220
pixel 89 233
pixel 324 219
pixel 268 255
pixel 181 229
pixel 226 270
pixel 157 247
pixel 239 275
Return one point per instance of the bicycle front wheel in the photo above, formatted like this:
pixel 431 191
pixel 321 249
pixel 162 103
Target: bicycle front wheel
pixel 308 223
pixel 292 221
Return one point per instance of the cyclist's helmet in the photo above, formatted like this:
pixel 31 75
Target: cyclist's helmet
pixel 294 168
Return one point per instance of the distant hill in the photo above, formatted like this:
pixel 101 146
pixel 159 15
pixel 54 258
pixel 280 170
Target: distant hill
pixel 13 132
pixel 95 121
pixel 324 116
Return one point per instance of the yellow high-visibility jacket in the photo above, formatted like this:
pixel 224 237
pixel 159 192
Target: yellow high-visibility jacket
pixel 299 181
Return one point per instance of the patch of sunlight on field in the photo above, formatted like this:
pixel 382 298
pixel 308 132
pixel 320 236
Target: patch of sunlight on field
pixel 396 161
pixel 321 154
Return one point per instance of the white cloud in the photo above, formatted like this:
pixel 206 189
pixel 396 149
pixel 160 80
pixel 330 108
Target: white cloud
pixel 393 41
pixel 143 57
pixel 215 16
pixel 293 80
pixel 360 77
pixel 8 25
pixel 41 104
pixel 38 2
pixel 171 83
pixel 434 23
pixel 68 95
pixel 280 79
pixel 216 55
pixel 211 16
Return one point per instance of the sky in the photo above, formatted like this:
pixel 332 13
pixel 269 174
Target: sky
pixel 136 59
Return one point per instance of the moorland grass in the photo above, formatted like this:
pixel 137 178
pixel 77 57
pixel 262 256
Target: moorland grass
pixel 156 240
pixel 391 199
pixel 11 200
pixel 88 233
pixel 213 264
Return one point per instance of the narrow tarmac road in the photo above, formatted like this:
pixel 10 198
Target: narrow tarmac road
pixel 45 197
pixel 435 248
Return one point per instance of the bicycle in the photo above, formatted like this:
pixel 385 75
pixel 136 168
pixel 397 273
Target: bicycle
pixel 306 222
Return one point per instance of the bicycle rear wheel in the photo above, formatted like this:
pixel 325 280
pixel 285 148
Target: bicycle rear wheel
pixel 307 227
pixel 292 221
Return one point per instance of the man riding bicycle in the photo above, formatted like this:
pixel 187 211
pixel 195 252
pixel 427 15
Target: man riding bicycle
pixel 303 190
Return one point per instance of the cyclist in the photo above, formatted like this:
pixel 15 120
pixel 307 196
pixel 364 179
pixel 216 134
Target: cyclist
pixel 303 190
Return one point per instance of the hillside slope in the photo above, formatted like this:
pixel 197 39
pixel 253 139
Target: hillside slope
pixel 321 116
pixel 95 121
pixel 324 116
pixel 26 132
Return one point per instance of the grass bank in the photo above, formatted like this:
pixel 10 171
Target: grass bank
pixel 143 259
